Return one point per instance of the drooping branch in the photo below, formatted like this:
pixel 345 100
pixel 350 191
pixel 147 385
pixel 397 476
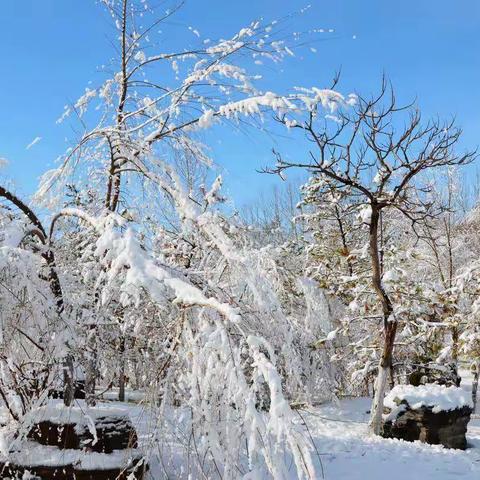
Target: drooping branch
pixel 70 212
pixel 47 254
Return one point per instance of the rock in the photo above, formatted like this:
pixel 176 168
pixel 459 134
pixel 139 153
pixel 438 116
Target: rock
pixel 48 433
pixel 447 428
pixel 431 413
pixel 446 374
pixel 70 472
pixel 76 443
pixel 79 393
pixel 114 432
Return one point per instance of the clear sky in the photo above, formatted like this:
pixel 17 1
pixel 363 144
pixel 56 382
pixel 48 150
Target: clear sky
pixel 50 50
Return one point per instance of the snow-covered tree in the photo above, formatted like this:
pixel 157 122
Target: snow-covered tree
pixel 375 152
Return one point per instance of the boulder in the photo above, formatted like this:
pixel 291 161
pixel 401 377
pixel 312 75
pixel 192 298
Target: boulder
pixel 113 432
pixel 71 472
pixel 76 443
pixel 447 428
pixel 430 413
pixel 79 392
pixel 446 374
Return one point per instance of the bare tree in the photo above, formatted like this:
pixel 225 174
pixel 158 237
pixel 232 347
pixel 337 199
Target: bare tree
pixel 273 212
pixel 376 152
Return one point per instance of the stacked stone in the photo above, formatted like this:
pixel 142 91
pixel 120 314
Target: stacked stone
pixel 440 419
pixel 447 428
pixel 93 456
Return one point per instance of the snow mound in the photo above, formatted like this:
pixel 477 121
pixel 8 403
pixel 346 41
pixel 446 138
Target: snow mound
pixel 439 397
pixel 56 412
pixel 34 455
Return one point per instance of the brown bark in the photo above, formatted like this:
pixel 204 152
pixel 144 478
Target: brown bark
pixel 455 343
pixel 121 373
pixel 389 325
pixel 386 304
pixel 69 381
pixel 476 374
pixel 114 176
pixel 343 237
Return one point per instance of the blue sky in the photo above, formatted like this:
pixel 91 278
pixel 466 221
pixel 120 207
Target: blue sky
pixel 51 49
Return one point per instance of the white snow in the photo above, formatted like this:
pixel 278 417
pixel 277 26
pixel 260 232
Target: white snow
pixel 206 120
pixel 349 452
pixel 79 413
pixel 33 142
pixel 343 447
pixel 440 397
pixel 251 106
pixel 365 213
pixel 34 454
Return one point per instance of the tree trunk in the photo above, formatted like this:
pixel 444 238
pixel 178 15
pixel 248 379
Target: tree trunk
pixel 475 385
pixel 69 381
pixel 121 375
pixel 389 324
pixel 377 405
pixel 381 381
pixel 90 380
pixel 91 366
pixel 454 333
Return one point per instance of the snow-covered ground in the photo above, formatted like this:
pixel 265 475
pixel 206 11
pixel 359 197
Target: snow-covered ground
pixel 344 448
pixel 346 451
pixel 349 452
